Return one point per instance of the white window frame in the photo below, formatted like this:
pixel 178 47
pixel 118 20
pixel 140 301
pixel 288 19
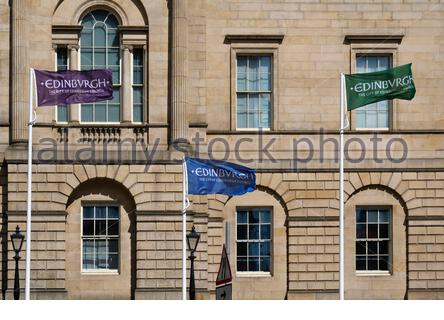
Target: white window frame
pixel 389 239
pixel 255 49
pixel 55 68
pixel 79 59
pixel 254 273
pixel 143 86
pixel 100 271
pixel 384 49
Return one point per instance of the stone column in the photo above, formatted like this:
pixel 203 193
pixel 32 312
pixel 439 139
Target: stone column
pixel 20 72
pixel 74 109
pixel 179 71
pixel 126 105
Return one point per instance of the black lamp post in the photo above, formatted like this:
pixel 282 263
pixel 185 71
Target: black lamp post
pixel 17 242
pixel 192 240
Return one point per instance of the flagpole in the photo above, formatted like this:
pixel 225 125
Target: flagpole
pixel 29 199
pixel 184 231
pixel 341 194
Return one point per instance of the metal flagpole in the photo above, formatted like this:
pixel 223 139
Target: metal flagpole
pixel 185 205
pixel 29 200
pixel 341 194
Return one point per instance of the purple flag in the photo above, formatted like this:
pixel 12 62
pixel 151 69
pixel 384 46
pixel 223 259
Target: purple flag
pixel 71 86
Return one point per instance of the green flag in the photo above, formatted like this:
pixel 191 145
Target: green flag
pixel 366 88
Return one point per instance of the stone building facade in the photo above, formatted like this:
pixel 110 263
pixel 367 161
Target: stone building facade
pixel 254 82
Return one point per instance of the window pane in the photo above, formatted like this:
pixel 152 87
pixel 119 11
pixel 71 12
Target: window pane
pixel 99 35
pixel 253 111
pixel 88 21
pixel 361 231
pixel 361 215
pixel 87 112
pixel 86 57
pixel 360 64
pixel 372 247
pixel 372 263
pixel 265 62
pixel 88 227
pixel 88 246
pixel 242 264
pixel 113 212
pixel 242 217
pixel 100 15
pixel 253 216
pixel 242 64
pixel 113 113
pixel 253 264
pixel 113 261
pixel 111 21
pixel 253 232
pixel 361 263
pixel 384 216
pixel 99 57
pixel 88 261
pixel 113 246
pixel 241 110
pixel 373 216
pixel 113 39
pixel 138 95
pixel 265 248
pixel 265 231
pixel 241 249
pixel 372 231
pixel 100 112
pixel 116 74
pixel 113 57
pixel 113 227
pixel 253 74
pixel 360 247
pixel 265 264
pixel 384 263
pixel 383 247
pixel 100 212
pixel 242 232
pixel 101 262
pixel 62 113
pixel 62 58
pixel 253 249
pixel 137 113
pixel 265 216
pixel 88 212
pixel 100 227
pixel 265 108
pixel 383 230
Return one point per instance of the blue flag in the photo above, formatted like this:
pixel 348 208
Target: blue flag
pixel 219 177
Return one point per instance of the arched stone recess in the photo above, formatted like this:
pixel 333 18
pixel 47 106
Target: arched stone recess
pixel 222 213
pixel 84 284
pixel 391 182
pixel 370 285
pixel 129 12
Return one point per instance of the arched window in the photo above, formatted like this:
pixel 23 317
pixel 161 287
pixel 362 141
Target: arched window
pixel 99 49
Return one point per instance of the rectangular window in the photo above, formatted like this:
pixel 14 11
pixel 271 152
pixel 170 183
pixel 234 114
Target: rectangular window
pixel 62 64
pixel 375 115
pixel 138 85
pixel 253 91
pixel 253 240
pixel 100 238
pixel 373 239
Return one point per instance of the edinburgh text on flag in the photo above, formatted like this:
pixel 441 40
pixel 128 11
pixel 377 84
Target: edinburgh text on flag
pixel 218 177
pixel 366 88
pixel 67 87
